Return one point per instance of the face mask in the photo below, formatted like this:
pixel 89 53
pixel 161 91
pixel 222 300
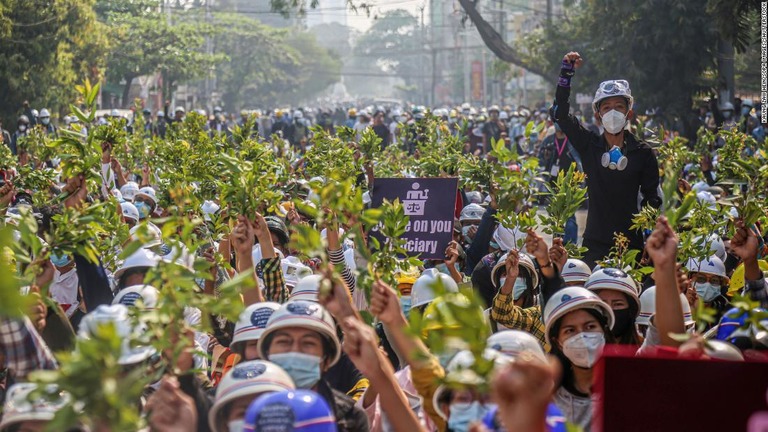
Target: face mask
pixel 520 286
pixel 143 209
pixel 22 128
pixel 443 268
pixel 463 414
pixel 405 305
pixel 59 261
pixel 465 233
pixel 236 425
pixel 45 120
pixel 614 121
pixel 707 291
pixel 493 245
pixel 304 369
pixel 557 128
pixel 727 114
pixel 622 322
pixel 582 349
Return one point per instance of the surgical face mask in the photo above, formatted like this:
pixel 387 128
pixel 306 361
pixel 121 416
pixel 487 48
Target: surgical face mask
pixel 304 369
pixel 463 414
pixel 707 291
pixel 443 268
pixel 45 120
pixel 236 425
pixel 60 261
pixel 493 245
pixel 582 349
pixel 22 128
pixel 520 286
pixel 622 322
pixel 614 121
pixel 143 209
pixel 465 233
pixel 405 305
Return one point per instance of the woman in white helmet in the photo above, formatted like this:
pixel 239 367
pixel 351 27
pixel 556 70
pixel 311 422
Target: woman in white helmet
pixel 515 306
pixel 301 338
pixel 243 384
pixel 618 290
pixel 710 281
pixel 578 325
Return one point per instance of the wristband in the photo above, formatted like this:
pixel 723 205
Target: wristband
pixel 566 73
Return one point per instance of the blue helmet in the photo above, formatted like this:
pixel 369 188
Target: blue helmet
pixel 291 410
pixel 733 329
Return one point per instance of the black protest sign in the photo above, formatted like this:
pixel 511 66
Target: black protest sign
pixel 430 205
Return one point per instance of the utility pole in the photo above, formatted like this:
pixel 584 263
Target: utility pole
pixel 209 52
pixel 549 12
pixel 423 91
pixel 466 65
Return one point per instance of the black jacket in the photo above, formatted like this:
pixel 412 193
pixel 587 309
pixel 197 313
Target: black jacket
pixel 613 194
pixel 349 417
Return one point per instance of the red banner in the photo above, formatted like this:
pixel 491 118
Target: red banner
pixel 477 81
pixel 670 394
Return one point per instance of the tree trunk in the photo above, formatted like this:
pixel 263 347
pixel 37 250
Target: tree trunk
pixel 496 44
pixel 726 71
pixel 124 103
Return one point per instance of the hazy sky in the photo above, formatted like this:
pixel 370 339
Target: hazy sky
pixel 361 22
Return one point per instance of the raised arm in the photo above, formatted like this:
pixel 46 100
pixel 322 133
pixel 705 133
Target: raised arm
pixel 662 248
pixel 560 110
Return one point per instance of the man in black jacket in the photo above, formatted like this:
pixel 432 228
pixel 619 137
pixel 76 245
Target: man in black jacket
pixel 618 165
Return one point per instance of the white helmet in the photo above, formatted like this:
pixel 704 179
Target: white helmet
pixel 129 190
pixel 116 193
pixel 298 114
pixel 117 314
pixel 712 265
pixel 464 360
pixel 513 343
pixel 570 299
pixel 44 113
pixel 307 288
pixel 160 113
pixel 256 254
pixel 507 238
pixel 302 314
pixel 146 294
pixel 18 407
pixel 147 192
pixel 153 233
pixel 716 245
pixel 422 292
pixel 143 257
pixel 648 308
pixel 294 271
pixel 574 271
pixel 465 106
pixel 525 262
pixel 722 350
pixel 251 378
pixel 129 211
pixel 251 324
pixel 471 212
pixel 503 115
pixel 614 280
pixel 209 208
pixel 611 88
pixel 114 113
